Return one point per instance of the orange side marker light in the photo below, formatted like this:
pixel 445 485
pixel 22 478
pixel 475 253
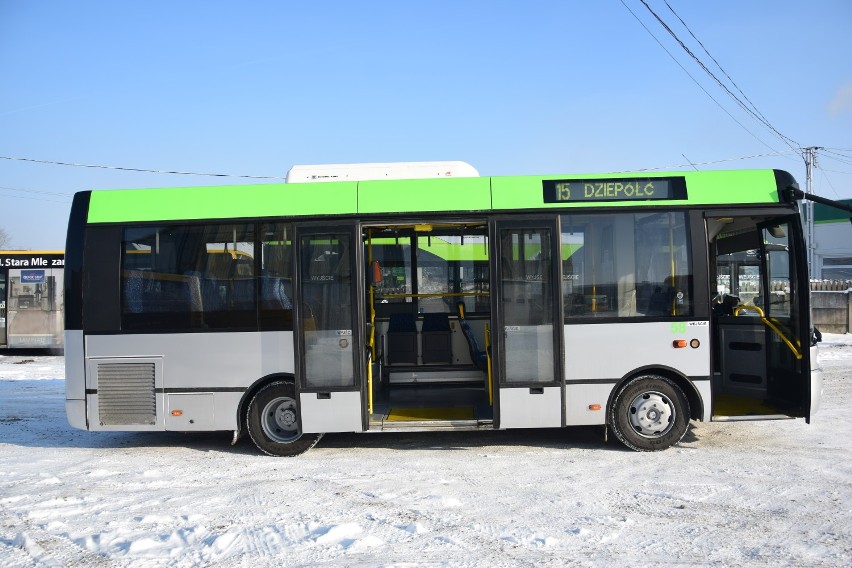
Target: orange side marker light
pixel 679 343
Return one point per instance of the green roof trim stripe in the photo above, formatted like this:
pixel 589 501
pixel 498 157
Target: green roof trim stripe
pixel 423 195
pixel 223 202
pixel 404 196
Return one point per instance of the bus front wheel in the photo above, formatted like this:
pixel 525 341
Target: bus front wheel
pixel 649 413
pixel 273 421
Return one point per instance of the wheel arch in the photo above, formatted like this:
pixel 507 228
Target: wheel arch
pixel 248 395
pixel 696 403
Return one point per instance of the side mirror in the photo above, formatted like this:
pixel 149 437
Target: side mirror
pixel 816 336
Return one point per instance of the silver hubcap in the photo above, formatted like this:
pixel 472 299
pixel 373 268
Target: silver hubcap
pixel 280 420
pixel 652 414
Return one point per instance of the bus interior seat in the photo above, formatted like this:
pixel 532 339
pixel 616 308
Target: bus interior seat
pixel 402 339
pixel 134 291
pixel 194 297
pixel 436 336
pixel 477 355
pixel 242 294
pixel 274 294
pixel 219 265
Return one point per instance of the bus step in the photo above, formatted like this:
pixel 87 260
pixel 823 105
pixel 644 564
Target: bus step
pixel 430 425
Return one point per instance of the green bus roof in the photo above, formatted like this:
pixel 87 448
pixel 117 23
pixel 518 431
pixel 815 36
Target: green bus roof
pixel 474 194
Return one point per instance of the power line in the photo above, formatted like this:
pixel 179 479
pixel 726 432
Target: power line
pixel 831 185
pixel 694 80
pixel 756 115
pixel 35 191
pixel 711 162
pixel 719 65
pixel 843 158
pixel 836 171
pixel 128 169
pixel 37 199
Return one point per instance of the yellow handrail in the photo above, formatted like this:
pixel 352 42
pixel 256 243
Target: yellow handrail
pixel 757 309
pixel 771 326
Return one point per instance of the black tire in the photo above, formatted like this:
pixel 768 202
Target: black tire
pixel 274 424
pixel 650 413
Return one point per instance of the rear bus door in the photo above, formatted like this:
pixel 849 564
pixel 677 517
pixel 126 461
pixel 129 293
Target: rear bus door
pixel 527 326
pixel 329 324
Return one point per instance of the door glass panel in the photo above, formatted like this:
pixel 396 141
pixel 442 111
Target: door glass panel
pixel 527 300
pixel 778 268
pixel 784 345
pixel 780 303
pixel 327 310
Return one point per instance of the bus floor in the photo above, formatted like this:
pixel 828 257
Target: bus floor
pixel 431 407
pixel 726 404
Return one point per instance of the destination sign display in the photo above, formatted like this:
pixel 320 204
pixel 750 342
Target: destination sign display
pixel 613 189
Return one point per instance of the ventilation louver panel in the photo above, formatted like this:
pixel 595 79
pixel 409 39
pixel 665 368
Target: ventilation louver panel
pixel 126 394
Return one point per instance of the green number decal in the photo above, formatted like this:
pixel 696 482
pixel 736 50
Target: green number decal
pixel 678 327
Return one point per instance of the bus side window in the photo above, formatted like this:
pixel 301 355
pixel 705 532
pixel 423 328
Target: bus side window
pixel 188 277
pixel 626 265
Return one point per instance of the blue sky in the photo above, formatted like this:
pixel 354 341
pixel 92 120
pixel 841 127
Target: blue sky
pixel 253 88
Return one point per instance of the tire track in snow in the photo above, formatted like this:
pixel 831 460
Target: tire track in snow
pixel 47 549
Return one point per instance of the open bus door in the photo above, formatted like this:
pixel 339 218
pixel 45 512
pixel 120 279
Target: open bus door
pixel 527 335
pixel 330 323
pixel 761 318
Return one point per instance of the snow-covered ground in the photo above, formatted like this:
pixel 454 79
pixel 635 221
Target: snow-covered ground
pixel 770 493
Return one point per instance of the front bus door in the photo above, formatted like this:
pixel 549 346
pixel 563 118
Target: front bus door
pixel 786 320
pixel 528 328
pixel 329 322
pixel 760 317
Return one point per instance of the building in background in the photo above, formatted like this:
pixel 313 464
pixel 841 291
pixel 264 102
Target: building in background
pixel 31 299
pixel 833 236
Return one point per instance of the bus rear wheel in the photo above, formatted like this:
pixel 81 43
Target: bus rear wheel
pixel 649 413
pixel 273 421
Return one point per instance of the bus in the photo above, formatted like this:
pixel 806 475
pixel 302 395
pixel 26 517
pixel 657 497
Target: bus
pixel 31 299
pixel 633 301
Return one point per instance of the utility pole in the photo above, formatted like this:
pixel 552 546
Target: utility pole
pixel 810 164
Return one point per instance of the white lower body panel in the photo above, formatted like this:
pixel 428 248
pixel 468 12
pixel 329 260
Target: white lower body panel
pixel 525 407
pixel 331 412
pixel 199 378
pixel 597 356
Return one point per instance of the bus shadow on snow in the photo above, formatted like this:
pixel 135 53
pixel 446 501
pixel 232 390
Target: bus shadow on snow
pixel 30 431
pixel 575 437
pixel 26 422
pixel 579 437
